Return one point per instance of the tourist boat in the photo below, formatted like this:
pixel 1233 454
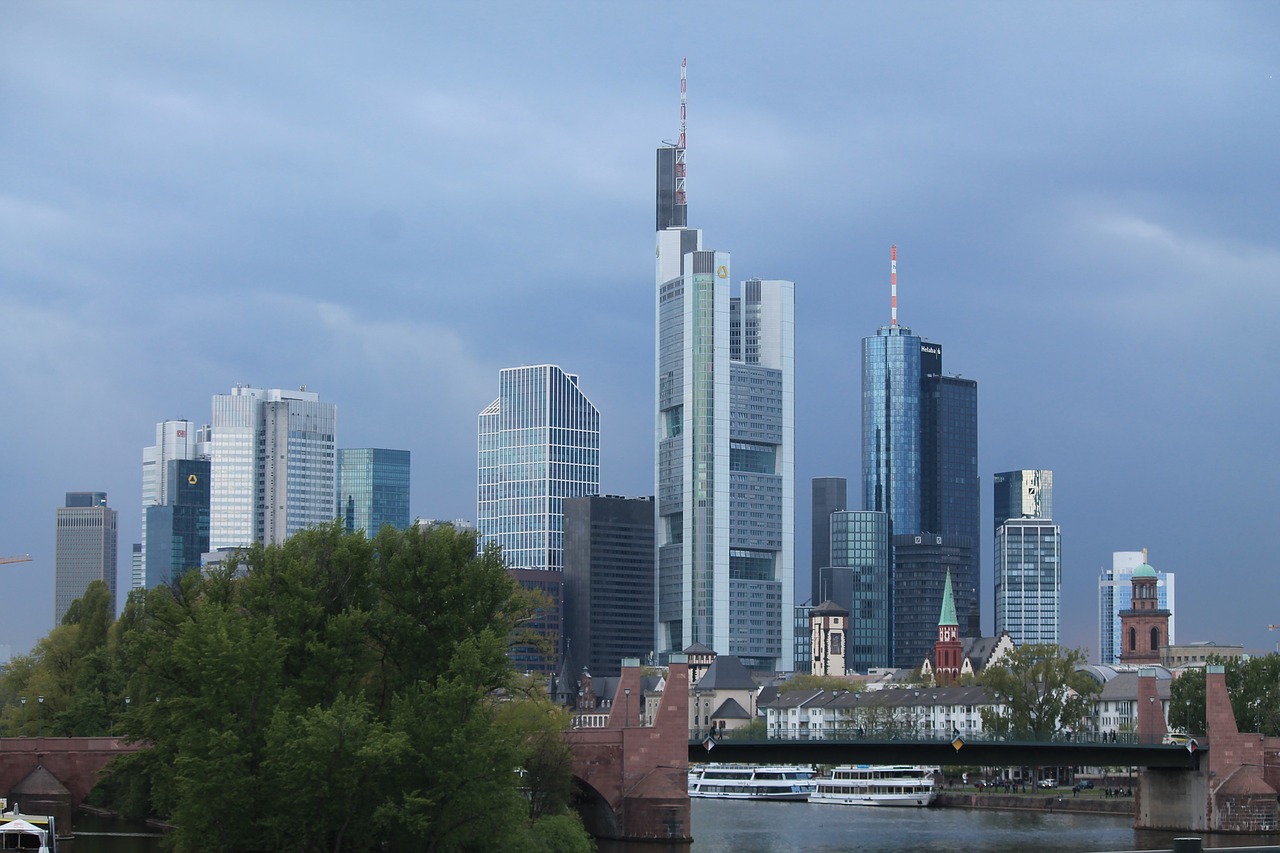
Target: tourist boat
pixel 876 785
pixel 28 832
pixel 751 781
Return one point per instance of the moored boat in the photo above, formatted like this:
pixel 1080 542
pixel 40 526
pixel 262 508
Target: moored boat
pixel 877 785
pixel 751 781
pixel 29 832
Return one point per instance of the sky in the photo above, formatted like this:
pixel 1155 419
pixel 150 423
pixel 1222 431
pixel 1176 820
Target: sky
pixel 390 202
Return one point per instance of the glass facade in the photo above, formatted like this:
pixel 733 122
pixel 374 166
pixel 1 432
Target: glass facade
pixel 920 565
pixel 860 580
pixel 1028 580
pixel 725 457
pixel 830 494
pixel 178 530
pixel 373 489
pixel 1115 593
pixel 84 549
pixel 891 426
pixel 175 439
pixel 1022 494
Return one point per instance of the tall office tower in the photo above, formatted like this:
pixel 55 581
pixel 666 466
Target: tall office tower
pixel 274 465
pixel 830 494
pixel 1028 580
pixel 950 491
pixel 921 562
pixel 920 465
pixel 1023 494
pixel 860 581
pixel 1115 593
pixel 725 457
pixel 175 439
pixel 178 529
pixel 373 489
pixel 608 581
pixel 539 444
pixel 84 549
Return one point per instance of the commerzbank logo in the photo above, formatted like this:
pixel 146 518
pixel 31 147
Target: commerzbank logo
pixel 722 271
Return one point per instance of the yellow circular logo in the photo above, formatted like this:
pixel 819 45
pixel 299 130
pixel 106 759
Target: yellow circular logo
pixel 722 271
pixel 191 478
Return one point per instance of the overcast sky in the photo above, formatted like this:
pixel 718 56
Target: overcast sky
pixel 389 202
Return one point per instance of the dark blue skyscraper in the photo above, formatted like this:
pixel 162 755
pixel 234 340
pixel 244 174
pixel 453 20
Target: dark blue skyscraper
pixel 178 530
pixel 891 425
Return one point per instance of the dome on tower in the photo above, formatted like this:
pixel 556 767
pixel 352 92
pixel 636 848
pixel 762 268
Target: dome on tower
pixel 1144 571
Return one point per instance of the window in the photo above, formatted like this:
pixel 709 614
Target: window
pixel 1133 639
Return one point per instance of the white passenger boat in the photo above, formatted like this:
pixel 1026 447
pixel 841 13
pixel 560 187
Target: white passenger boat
pixel 877 785
pixel 751 781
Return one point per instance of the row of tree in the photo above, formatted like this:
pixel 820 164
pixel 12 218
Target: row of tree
pixel 342 694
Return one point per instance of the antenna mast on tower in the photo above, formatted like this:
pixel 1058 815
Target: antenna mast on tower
pixel 893 285
pixel 680 198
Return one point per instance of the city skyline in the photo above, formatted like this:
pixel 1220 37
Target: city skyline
pixel 1074 191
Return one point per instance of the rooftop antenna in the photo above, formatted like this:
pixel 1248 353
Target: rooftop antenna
pixel 680 198
pixel 893 285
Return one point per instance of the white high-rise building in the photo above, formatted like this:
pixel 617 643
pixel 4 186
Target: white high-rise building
pixel 1115 593
pixel 273 457
pixel 175 439
pixel 724 475
pixel 84 549
pixel 1028 581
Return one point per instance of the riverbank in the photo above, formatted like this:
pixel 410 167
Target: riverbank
pixel 1064 803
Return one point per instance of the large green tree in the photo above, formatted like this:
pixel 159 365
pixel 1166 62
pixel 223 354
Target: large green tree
pixel 1040 692
pixel 334 693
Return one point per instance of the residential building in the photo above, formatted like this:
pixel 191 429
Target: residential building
pixel 539 445
pixel 177 532
pixel 84 549
pixel 373 489
pixel 273 457
pixel 1028 580
pixel 725 515
pixel 723 698
pixel 936 712
pixel 608 581
pixel 1115 590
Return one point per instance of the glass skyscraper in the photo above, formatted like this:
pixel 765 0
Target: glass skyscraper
pixel 891 451
pixel 1028 580
pixel 84 549
pixel 175 439
pixel 1115 593
pixel 921 562
pixel 725 452
pixel 1027 493
pixel 274 465
pixel 373 489
pixel 860 580
pixel 177 531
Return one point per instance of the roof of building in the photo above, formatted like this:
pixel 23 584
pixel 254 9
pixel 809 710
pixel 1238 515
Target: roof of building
pixel 889 697
pixel 1124 687
pixel 1144 571
pixel 730 709
pixel 726 673
pixel 829 607
pixel 698 649
pixel 948 605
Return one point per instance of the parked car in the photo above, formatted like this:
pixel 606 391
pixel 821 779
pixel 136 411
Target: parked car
pixel 1048 783
pixel 1082 785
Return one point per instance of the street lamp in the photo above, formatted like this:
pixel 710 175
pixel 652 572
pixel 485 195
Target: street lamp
pixel 697 713
pixel 40 715
pixel 626 692
pixel 24 716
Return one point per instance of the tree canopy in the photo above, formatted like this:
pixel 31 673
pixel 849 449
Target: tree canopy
pixel 1040 690
pixel 1253 685
pixel 331 694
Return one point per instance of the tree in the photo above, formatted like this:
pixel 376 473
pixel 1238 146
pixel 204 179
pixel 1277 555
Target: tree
pixel 804 681
pixel 1253 685
pixel 1040 691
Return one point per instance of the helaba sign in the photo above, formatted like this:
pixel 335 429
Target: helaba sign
pixel 931 349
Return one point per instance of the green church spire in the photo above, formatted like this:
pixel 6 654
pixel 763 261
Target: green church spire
pixel 948 605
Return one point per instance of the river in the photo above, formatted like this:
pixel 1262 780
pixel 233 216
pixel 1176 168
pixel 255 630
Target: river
pixel 736 826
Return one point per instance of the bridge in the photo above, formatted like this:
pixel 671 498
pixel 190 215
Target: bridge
pixel 53 775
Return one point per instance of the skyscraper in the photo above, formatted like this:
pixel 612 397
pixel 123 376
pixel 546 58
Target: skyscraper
pixel 539 444
pixel 725 454
pixel 177 531
pixel 830 494
pixel 84 549
pixel 921 563
pixel 608 580
pixel 1022 494
pixel 1115 593
pixel 920 466
pixel 1028 580
pixel 274 465
pixel 859 580
pixel 175 439
pixel 373 489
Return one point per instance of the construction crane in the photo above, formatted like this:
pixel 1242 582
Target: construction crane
pixel 21 558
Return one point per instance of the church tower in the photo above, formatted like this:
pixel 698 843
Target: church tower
pixel 1144 627
pixel 947 651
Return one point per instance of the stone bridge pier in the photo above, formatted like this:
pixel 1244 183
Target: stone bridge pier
pixel 632 780
pixel 1233 789
pixel 53 775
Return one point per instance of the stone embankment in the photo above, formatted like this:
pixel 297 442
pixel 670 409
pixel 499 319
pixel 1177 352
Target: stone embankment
pixel 1049 802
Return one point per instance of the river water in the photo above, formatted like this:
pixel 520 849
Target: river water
pixel 737 826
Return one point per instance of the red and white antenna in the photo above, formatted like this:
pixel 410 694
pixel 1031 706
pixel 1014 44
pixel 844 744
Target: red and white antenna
pixel 893 285
pixel 680 197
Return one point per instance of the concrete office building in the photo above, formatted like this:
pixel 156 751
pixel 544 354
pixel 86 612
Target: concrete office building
pixel 273 457
pixel 84 549
pixel 724 480
pixel 608 581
